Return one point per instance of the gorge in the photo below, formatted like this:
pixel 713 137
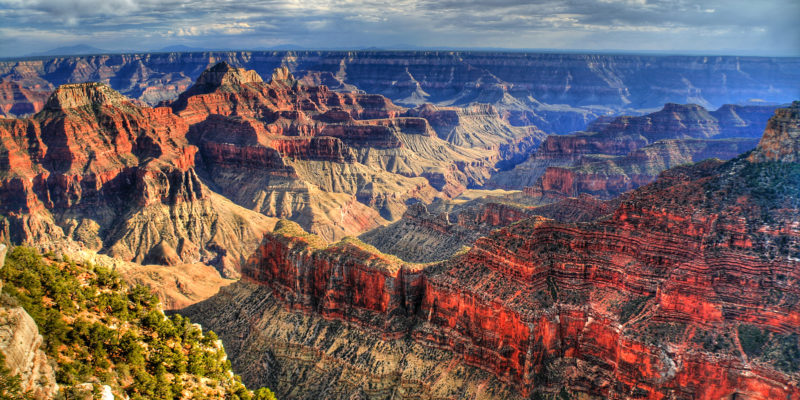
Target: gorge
pixel 423 225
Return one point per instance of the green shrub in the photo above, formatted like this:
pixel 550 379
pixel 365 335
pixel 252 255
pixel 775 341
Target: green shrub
pixel 97 328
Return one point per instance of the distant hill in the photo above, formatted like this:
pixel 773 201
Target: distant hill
pixel 70 50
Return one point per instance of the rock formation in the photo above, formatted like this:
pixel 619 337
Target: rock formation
pixel 22 348
pixel 437 231
pixel 337 163
pixel 97 169
pixel 689 289
pixel 781 141
pixel 627 152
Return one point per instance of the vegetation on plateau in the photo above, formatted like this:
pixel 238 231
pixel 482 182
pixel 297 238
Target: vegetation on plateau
pixel 101 331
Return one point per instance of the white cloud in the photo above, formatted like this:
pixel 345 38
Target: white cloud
pixel 233 28
pixel 763 26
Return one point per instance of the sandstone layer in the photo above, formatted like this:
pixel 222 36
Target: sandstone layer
pixel 688 290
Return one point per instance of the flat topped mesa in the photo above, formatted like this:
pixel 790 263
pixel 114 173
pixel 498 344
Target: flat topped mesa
pixel 781 140
pixel 224 74
pixel 82 95
pixel 682 108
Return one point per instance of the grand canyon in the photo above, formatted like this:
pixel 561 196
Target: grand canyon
pixel 401 225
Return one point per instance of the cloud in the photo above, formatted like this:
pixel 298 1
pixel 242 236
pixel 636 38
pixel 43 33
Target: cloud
pixel 714 26
pixel 233 28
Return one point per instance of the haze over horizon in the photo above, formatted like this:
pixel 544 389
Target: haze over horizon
pixel 739 27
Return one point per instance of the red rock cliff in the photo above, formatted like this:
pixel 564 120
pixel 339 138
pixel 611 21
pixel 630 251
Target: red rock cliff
pixel 96 169
pixel 689 290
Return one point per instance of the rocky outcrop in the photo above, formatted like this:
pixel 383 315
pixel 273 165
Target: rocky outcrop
pixel 98 170
pixel 781 141
pixel 22 347
pixel 694 275
pixel 627 152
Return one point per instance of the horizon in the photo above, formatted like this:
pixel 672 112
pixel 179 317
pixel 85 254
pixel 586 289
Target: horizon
pixel 57 52
pixel 681 27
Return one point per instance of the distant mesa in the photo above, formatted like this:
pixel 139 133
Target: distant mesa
pixel 83 95
pixel 78 49
pixel 224 74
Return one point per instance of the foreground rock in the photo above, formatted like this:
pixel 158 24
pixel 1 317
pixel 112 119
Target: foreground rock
pixel 693 276
pixel 22 348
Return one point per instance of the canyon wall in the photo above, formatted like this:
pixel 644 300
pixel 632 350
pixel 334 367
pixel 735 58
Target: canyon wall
pixel 619 154
pixel 687 290
pixel 98 171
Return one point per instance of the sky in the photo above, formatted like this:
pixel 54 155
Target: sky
pixel 736 27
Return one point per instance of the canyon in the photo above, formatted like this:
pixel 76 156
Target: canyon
pixel 337 163
pixel 686 289
pixel 559 93
pixel 415 225
pixel 198 181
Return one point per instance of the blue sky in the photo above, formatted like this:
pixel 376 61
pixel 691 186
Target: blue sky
pixel 743 27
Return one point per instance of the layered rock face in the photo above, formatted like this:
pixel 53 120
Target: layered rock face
pixel 437 231
pixel 560 93
pixel 17 98
pixel 624 153
pixel 688 290
pixel 99 170
pixel 425 234
pixel 337 163
pixel 781 141
pixel 481 126
pixel 23 349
